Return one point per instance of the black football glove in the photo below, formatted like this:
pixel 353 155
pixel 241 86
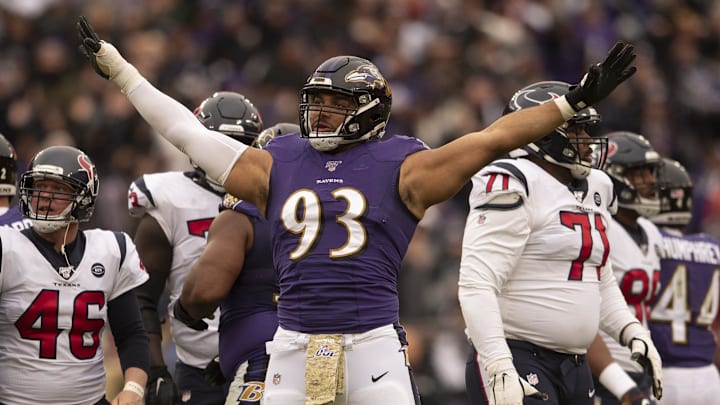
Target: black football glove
pixel 213 374
pixel 89 44
pixel 160 388
pixel 181 314
pixel 602 78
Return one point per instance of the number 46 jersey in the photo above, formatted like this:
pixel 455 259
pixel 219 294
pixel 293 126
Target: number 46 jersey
pixel 52 316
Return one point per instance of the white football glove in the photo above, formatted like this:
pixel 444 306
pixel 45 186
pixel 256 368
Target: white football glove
pixel 507 387
pixel 644 352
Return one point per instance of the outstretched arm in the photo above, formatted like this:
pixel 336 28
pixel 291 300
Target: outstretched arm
pixel 455 162
pixel 221 157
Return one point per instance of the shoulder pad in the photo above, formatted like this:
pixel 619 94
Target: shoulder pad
pixel 140 199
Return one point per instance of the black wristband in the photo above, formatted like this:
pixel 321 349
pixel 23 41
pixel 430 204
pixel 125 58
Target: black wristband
pixel 575 98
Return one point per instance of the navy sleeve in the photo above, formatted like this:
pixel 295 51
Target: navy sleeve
pixel 131 339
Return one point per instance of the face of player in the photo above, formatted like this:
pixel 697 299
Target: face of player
pixel 329 111
pixel 643 179
pixel 583 142
pixel 51 197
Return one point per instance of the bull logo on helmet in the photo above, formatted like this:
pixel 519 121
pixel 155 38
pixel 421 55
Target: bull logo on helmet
pixel 87 166
pixel 366 74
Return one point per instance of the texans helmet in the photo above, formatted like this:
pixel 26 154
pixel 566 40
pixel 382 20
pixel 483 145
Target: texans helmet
pixel 557 147
pixel 65 165
pixel 628 150
pixel 231 114
pixel 675 188
pixel 358 79
pixel 8 168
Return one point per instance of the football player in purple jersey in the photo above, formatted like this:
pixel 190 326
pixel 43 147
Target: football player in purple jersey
pixel 10 214
pixel 176 210
pixel 235 271
pixel 343 204
pixel 61 287
pixel 535 283
pixel 687 302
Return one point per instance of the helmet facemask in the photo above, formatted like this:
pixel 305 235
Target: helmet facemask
pixel 675 189
pixel 356 124
pixel 352 94
pixel 571 147
pixel 78 201
pixel 633 167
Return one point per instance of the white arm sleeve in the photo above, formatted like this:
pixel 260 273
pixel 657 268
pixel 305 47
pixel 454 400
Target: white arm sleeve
pixel 491 248
pixel 614 311
pixel 214 152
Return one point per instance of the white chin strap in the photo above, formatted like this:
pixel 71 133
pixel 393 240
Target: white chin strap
pixel 577 170
pixel 45 226
pixel 325 144
pixel 54 222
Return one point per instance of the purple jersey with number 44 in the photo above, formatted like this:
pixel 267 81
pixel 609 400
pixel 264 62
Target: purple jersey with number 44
pixel 339 233
pixel 688 300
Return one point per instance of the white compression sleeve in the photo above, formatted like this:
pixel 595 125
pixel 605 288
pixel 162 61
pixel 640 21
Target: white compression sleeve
pixel 214 152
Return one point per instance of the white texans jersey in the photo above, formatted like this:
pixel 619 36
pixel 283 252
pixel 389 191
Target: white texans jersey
pixel 53 316
pixel 184 210
pixel 542 248
pixel 637 271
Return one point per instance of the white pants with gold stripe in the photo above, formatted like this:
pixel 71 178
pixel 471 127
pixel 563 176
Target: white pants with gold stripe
pixel 375 372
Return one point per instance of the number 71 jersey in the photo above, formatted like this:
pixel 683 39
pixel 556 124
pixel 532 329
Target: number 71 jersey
pixel 543 245
pixel 52 316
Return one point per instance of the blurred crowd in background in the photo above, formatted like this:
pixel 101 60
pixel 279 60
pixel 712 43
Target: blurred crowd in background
pixel 452 66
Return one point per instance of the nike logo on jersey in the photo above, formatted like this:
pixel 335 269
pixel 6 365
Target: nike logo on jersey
pixel 375 379
pixel 591 392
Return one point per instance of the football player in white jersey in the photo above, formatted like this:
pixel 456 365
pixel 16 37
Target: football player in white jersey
pixel 175 211
pixel 535 282
pixel 635 246
pixel 60 287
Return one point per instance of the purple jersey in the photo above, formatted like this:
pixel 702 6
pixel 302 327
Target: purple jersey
pixel 248 314
pixel 13 218
pixel 339 233
pixel 688 300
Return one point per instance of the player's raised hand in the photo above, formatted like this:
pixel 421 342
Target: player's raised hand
pixel 105 58
pixel 90 44
pixel 602 78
